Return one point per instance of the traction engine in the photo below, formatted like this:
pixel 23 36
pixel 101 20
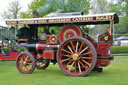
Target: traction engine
pixel 75 51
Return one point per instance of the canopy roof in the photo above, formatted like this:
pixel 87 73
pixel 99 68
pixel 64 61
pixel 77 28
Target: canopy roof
pixel 79 19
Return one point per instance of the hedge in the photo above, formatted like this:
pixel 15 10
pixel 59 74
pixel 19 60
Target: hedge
pixel 119 49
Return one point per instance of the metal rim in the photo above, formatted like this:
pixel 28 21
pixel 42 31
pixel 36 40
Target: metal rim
pixel 25 63
pixel 76 56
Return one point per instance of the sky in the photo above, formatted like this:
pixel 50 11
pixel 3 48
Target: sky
pixel 4 4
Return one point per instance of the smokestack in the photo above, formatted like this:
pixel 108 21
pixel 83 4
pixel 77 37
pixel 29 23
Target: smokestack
pixel 35 14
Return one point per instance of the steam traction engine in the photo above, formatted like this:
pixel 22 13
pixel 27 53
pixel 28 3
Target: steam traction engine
pixel 72 48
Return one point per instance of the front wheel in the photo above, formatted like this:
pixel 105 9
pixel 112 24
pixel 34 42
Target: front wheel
pixel 76 56
pixel 25 63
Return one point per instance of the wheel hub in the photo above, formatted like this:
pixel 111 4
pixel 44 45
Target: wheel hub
pixel 24 63
pixel 75 56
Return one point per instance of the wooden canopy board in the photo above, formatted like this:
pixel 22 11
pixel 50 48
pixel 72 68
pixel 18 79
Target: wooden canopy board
pixel 81 19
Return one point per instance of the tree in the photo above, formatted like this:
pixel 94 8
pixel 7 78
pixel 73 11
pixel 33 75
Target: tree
pixel 47 6
pixel 117 7
pixel 121 8
pixel 77 6
pixel 99 6
pixel 13 10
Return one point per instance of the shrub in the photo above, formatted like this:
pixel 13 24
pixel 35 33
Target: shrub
pixel 126 34
pixel 6 49
pixel 21 49
pixel 119 49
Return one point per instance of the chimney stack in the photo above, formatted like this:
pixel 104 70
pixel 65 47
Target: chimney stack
pixel 35 14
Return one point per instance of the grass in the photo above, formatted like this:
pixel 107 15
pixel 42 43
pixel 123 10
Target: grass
pixel 115 74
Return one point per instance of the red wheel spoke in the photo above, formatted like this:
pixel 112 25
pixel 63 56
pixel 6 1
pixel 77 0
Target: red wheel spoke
pixel 82 64
pixel 26 68
pixel 84 50
pixel 79 67
pixel 81 46
pixel 67 55
pixel 72 46
pixel 71 66
pixel 69 62
pixel 26 58
pixel 86 57
pixel 29 66
pixel 23 57
pixel 29 63
pixel 87 53
pixel 66 51
pixel 25 62
pixel 29 60
pixel 65 59
pixel 75 66
pixel 86 62
pixel 70 49
pixel 77 46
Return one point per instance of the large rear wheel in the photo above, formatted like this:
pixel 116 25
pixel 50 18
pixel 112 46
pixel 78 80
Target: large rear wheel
pixel 25 63
pixel 76 56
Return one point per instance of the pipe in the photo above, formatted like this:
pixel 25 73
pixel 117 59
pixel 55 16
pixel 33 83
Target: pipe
pixel 38 46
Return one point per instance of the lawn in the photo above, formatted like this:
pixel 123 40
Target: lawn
pixel 115 74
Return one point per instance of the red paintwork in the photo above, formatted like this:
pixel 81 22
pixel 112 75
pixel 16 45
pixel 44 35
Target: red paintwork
pixel 102 62
pixel 12 56
pixel 108 32
pixel 48 54
pixel 102 50
pixel 103 46
pixel 69 31
pixel 52 39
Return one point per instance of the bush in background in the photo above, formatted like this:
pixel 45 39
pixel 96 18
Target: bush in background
pixel 6 49
pixel 119 49
pixel 126 34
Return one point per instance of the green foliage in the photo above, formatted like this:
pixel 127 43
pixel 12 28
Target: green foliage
pixel 76 6
pixel 25 15
pixel 55 29
pixel 122 27
pixel 6 49
pixel 126 34
pixel 21 49
pixel 35 5
pixel 121 8
pixel 45 7
pixel 117 8
pixel 119 49
pixel 116 35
